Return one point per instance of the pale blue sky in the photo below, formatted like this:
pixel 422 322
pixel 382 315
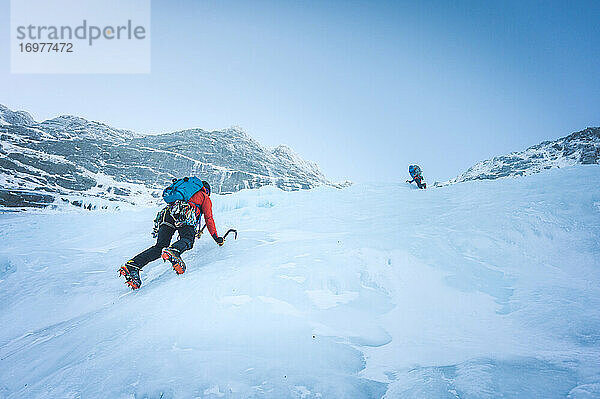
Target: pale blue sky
pixel 362 88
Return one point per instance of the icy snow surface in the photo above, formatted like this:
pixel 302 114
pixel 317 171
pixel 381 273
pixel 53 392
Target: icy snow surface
pixel 485 289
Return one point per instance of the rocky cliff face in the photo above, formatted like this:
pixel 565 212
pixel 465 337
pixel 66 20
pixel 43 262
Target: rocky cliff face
pixel 70 160
pixel 578 148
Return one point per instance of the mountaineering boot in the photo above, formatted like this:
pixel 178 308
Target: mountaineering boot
pixel 172 255
pixel 132 275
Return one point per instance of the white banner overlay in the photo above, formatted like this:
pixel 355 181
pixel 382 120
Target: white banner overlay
pixel 80 36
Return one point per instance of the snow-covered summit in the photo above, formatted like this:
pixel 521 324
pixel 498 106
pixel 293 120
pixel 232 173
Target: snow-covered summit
pixel 286 154
pixel 70 127
pixel 9 117
pixel 581 147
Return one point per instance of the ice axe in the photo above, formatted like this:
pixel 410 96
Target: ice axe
pixel 234 231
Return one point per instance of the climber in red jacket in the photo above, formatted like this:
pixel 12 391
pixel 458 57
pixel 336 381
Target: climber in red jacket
pixel 183 217
pixel 203 206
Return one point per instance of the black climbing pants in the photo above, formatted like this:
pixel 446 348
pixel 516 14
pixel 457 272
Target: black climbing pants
pixel 187 234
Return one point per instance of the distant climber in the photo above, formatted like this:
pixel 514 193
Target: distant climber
pixel 187 200
pixel 417 176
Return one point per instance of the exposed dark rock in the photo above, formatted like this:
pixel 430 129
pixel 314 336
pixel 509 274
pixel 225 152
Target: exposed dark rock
pixel 17 198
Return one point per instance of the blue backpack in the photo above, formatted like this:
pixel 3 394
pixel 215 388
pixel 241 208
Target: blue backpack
pixel 182 189
pixel 414 171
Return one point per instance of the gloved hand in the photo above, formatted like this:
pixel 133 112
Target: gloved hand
pixel 218 240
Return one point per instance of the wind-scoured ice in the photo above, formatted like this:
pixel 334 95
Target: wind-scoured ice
pixel 478 290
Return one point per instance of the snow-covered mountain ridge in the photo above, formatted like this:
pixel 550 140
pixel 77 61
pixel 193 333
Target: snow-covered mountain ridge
pixel 581 147
pixel 70 160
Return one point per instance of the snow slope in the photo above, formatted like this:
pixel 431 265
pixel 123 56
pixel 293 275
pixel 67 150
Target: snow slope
pixel 485 289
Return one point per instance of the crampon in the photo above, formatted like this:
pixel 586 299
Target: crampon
pixel 172 255
pixel 131 272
